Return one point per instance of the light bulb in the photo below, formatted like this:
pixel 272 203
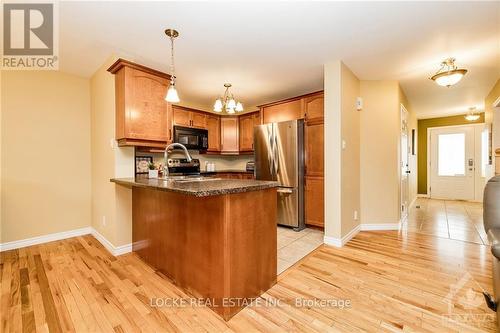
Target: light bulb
pixel 218 105
pixel 231 104
pixel 239 107
pixel 472 117
pixel 172 95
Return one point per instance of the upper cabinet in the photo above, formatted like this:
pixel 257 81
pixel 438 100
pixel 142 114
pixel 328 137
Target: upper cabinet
pixel 282 111
pixel 229 128
pixel 143 117
pixel 189 117
pixel 247 123
pixel 314 107
pixel 213 127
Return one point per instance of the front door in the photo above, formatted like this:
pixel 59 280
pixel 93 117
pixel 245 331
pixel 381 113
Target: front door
pixel 452 163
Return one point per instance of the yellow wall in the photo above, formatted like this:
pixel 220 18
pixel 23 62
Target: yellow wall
pixel 380 122
pixel 493 117
pixel 350 168
pixel 45 138
pixel 423 125
pixel 488 102
pixel 110 202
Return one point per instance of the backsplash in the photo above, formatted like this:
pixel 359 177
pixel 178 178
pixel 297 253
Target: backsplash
pixel 222 162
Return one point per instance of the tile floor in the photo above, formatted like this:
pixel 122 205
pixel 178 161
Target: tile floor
pixel 459 220
pixel 293 246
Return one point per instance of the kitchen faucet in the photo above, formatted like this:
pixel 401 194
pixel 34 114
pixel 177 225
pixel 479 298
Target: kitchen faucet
pixel 175 145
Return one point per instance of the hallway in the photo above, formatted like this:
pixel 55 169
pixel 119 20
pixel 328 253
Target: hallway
pixel 458 220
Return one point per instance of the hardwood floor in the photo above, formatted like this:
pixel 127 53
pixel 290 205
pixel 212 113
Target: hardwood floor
pixel 395 281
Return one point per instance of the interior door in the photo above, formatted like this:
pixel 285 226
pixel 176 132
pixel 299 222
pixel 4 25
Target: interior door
pixel 452 163
pixel 405 168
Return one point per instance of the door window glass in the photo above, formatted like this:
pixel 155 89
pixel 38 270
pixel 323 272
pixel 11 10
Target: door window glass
pixel 451 154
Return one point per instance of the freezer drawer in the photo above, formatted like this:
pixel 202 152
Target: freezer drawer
pixel 289 212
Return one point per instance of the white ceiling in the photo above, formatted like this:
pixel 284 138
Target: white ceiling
pixel 274 50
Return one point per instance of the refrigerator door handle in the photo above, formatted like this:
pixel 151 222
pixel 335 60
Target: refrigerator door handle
pixel 271 150
pixel 275 150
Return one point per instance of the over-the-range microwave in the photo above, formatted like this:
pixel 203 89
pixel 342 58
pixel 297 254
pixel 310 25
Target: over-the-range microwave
pixel 192 138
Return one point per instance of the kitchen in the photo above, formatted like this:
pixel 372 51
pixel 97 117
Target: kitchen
pixel 272 156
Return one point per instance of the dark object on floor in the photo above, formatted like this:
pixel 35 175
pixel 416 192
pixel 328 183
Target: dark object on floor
pixel 417 206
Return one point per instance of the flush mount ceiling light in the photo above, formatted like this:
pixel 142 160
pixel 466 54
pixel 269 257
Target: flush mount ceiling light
pixel 227 102
pixel 472 115
pixel 172 95
pixel 448 74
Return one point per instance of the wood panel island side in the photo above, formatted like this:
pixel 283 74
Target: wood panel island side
pixel 215 239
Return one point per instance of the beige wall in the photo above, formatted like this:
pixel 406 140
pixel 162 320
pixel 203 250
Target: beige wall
pixel 332 149
pixel 342 123
pixel 380 152
pixel 45 146
pixel 350 167
pixel 111 204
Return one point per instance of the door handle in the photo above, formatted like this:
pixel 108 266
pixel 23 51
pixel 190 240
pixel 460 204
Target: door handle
pixel 408 171
pixel 285 190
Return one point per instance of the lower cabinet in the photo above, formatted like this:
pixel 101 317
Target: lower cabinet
pixel 315 201
pixel 234 175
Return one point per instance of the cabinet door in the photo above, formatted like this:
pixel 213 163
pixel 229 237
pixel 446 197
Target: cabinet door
pixel 229 135
pixel 314 201
pixel 146 109
pixel 246 133
pixel 181 117
pixel 284 111
pixel 256 119
pixel 314 107
pixel 213 126
pixel 314 148
pixel 198 120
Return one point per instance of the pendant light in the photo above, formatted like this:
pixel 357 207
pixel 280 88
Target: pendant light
pixel 472 115
pixel 227 102
pixel 448 74
pixel 172 95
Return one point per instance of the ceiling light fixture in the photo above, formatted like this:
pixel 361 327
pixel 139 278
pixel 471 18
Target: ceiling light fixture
pixel 172 95
pixel 448 74
pixel 227 102
pixel 472 115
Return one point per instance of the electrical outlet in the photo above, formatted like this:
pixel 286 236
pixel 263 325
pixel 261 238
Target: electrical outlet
pixel 103 222
pixel 355 215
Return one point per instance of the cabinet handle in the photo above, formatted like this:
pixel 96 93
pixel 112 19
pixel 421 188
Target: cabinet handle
pixel 170 134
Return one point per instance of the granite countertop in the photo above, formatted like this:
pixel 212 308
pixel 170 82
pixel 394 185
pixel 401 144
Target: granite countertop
pixel 199 188
pixel 226 171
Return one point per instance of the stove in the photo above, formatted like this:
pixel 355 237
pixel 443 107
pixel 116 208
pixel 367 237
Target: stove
pixel 180 166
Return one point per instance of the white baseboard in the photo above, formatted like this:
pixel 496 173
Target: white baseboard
pixel 44 239
pixel 379 226
pixel 422 195
pixel 114 250
pixel 339 242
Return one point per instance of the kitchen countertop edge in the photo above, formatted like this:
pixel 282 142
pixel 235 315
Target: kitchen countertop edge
pixel 239 186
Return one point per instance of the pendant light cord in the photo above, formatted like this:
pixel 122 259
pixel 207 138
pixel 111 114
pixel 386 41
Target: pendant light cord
pixel 172 67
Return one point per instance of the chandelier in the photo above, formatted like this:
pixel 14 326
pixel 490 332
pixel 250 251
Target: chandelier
pixel 172 95
pixel 227 102
pixel 448 74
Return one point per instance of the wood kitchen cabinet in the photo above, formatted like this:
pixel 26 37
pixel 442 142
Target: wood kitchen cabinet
pixel 229 128
pixel 315 201
pixel 282 111
pixel 143 117
pixel 187 117
pixel 213 127
pixel 247 123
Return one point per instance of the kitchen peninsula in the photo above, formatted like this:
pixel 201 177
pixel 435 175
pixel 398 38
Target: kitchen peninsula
pixel 215 238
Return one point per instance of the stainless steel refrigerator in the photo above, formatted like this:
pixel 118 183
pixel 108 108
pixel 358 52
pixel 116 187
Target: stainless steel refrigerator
pixel 279 156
